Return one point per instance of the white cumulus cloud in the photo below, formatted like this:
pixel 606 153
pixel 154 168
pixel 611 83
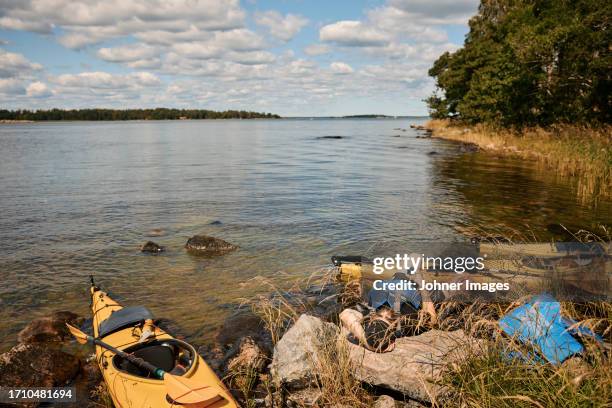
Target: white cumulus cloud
pixel 438 11
pixel 38 90
pixel 252 57
pixel 282 27
pixel 13 64
pixel 213 54
pixel 341 68
pixel 11 86
pixel 353 34
pixel 127 53
pixel 87 22
pixel 105 80
pixel 239 40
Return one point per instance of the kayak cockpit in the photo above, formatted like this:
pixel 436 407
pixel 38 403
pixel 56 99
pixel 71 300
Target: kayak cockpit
pixel 171 355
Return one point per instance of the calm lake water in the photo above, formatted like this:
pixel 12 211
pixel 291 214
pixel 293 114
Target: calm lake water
pixel 80 198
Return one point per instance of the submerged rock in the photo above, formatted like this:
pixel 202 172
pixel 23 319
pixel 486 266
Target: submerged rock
pixel 206 245
pixel 241 324
pixel 37 365
pixel 296 353
pixel 49 329
pixel 151 247
pixel 330 137
pixel 414 364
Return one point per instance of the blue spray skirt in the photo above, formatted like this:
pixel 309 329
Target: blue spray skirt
pixel 539 323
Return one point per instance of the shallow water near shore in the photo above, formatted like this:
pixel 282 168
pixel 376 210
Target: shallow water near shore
pixel 80 198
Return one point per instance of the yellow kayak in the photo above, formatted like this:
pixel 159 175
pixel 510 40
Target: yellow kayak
pixel 131 330
pixel 351 268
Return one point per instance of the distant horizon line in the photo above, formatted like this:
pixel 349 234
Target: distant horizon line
pixel 257 114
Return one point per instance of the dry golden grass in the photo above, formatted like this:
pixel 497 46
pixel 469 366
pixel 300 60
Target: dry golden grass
pixel 488 378
pixel 583 152
pixel 495 380
pixel 335 381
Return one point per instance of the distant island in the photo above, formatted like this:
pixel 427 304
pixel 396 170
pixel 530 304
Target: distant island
pixel 370 116
pixel 127 114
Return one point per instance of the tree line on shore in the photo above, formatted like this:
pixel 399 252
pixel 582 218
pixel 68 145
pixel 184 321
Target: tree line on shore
pixel 129 114
pixel 529 63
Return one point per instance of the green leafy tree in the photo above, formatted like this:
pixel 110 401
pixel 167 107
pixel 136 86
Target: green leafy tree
pixel 529 63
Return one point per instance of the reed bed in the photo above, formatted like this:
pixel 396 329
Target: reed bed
pixel 568 150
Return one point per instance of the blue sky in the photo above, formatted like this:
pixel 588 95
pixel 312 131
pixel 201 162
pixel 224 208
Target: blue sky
pixel 291 57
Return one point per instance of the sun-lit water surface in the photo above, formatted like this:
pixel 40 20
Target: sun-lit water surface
pixel 80 198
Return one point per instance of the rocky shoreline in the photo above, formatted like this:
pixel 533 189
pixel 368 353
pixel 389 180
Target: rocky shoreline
pixel 14 121
pixel 291 349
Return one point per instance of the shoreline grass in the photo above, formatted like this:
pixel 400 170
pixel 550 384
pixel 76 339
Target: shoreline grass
pixel 486 379
pixel 570 150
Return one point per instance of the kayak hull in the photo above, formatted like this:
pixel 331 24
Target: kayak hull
pixel 128 390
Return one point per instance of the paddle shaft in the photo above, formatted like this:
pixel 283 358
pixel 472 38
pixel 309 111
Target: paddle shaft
pixel 157 372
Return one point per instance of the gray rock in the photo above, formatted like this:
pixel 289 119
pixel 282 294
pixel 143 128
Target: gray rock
pixel 151 247
pixel 49 329
pixel 206 245
pixel 245 364
pixel 415 362
pixel 307 397
pixel 249 357
pixel 296 353
pixel 384 401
